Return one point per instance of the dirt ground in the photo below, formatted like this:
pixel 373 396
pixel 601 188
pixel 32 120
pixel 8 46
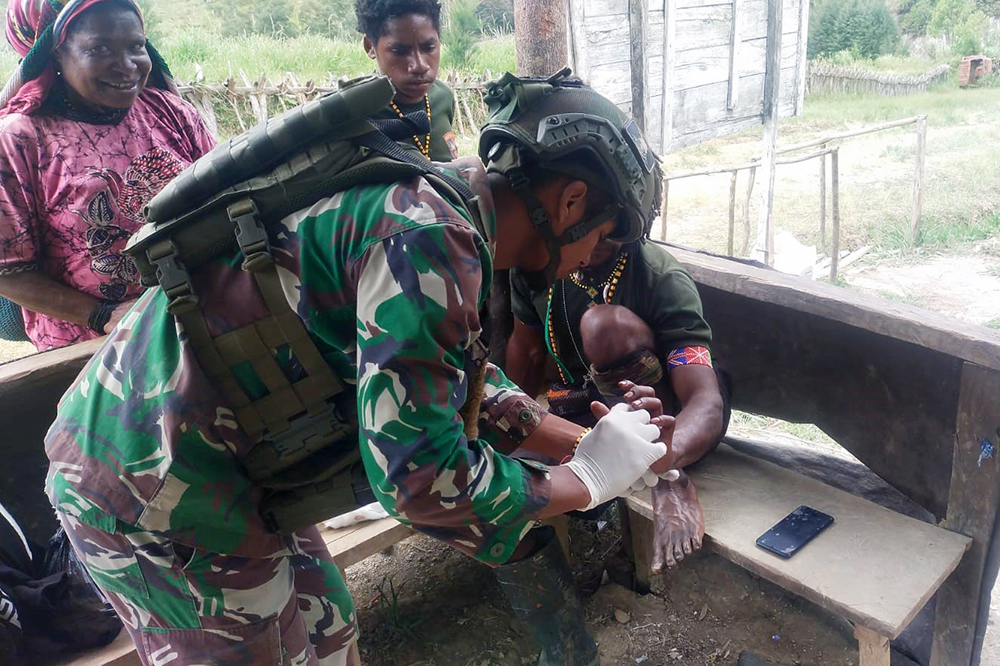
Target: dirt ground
pixel 449 611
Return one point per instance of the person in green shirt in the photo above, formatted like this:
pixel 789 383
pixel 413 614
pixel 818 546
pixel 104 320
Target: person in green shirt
pixel 404 38
pixel 633 313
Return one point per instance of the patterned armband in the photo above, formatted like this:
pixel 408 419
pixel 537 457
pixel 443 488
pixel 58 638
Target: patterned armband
pixel 694 355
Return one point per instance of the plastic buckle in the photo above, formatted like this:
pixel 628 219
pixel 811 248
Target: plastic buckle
pixel 518 180
pixel 174 279
pixel 251 236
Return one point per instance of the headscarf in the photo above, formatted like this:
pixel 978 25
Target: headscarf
pixel 36 28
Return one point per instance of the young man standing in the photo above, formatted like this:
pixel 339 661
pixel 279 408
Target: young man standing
pixel 404 38
pixel 378 289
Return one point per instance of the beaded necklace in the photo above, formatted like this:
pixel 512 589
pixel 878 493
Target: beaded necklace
pixel 425 145
pixel 610 285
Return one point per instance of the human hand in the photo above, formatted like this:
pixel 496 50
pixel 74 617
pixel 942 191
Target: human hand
pixel 616 453
pixel 116 315
pixel 638 396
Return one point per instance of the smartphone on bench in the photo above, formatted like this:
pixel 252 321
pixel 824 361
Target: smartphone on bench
pixel 794 531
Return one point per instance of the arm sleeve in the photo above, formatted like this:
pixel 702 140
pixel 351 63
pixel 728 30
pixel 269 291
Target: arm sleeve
pixel 522 303
pixel 506 409
pixel 418 296
pixel 18 191
pixel 676 313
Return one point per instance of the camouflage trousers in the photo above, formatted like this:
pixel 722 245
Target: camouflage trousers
pixel 186 607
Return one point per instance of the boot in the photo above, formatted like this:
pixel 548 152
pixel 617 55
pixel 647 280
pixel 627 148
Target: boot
pixel 541 592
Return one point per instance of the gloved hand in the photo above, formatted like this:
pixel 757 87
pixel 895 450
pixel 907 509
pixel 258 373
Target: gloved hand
pixel 616 453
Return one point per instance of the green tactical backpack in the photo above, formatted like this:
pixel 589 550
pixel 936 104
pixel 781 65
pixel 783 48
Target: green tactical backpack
pixel 306 456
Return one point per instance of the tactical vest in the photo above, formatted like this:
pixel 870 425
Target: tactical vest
pixel 305 456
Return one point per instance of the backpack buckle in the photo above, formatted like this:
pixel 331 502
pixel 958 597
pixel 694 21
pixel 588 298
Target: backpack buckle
pixel 250 235
pixel 173 277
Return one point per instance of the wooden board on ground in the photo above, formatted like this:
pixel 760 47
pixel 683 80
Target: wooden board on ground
pixel 350 545
pixel 873 566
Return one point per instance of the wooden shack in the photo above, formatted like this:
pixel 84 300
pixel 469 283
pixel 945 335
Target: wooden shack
pixel 710 56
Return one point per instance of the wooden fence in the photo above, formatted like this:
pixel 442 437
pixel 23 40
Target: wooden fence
pixel 822 154
pixel 250 102
pixel 824 77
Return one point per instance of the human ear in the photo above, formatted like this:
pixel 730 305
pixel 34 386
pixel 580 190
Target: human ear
pixel 369 47
pixel 571 207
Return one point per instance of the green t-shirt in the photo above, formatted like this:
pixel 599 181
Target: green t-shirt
pixel 653 284
pixel 442 101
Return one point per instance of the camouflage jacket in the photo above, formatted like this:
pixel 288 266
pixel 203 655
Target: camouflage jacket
pixel 389 281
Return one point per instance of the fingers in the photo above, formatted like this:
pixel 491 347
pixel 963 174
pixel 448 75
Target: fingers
pixel 633 390
pixel 651 405
pixel 599 409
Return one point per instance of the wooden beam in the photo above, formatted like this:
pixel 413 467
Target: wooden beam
pixel 873 648
pixel 578 39
pixel 732 213
pixel 669 59
pixel 972 510
pixel 918 178
pixel 638 22
pixel 835 194
pixel 745 243
pixel 968 342
pixel 663 210
pixel 764 249
pixel 735 40
pixel 801 60
pixel 822 204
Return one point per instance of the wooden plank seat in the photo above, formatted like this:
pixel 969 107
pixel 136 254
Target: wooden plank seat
pixel 348 545
pixel 874 567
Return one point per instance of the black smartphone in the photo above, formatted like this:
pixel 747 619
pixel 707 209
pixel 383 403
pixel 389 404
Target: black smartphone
pixel 794 531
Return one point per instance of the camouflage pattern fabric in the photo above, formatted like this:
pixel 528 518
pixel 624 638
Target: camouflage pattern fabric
pixel 389 281
pixel 184 606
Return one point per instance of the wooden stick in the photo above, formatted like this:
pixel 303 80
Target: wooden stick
pixel 918 178
pixel 847 135
pixel 822 202
pixel 732 213
pixel 835 187
pixel 745 245
pixel 748 165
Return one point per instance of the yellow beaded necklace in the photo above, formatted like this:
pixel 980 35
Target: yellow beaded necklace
pixel 610 285
pixel 425 145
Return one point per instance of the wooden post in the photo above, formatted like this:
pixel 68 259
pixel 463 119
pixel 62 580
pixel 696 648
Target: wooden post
pixel 732 213
pixel 801 62
pixel 669 42
pixel 772 83
pixel 835 195
pixel 745 244
pixel 540 36
pixel 873 648
pixel 822 201
pixel 918 178
pixel 638 20
pixel 578 39
pixel 735 40
pixel 663 210
pixel 973 499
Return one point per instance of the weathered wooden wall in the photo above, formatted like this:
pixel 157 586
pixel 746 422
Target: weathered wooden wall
pixel 704 55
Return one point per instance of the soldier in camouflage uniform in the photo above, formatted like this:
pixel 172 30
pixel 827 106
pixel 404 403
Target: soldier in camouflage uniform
pixel 146 455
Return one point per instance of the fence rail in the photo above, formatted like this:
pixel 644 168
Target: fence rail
pixel 825 77
pixel 254 101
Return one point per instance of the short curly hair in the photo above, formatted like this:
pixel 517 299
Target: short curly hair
pixel 372 14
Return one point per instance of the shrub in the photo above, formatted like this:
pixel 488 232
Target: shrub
pixel 460 33
pixel 497 16
pixel 962 23
pixel 866 28
pixel 285 18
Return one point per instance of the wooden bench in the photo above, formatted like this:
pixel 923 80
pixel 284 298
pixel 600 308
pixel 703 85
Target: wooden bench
pixel 874 567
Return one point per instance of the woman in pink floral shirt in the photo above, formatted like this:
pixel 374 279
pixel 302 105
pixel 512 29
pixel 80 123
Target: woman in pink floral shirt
pixel 96 130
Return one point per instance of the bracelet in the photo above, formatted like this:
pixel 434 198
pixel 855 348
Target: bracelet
pixel 100 315
pixel 575 445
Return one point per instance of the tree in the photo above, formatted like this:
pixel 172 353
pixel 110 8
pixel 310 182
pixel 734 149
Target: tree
pixel 866 28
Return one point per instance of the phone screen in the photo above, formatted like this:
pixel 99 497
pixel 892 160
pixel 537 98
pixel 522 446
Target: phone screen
pixel 794 531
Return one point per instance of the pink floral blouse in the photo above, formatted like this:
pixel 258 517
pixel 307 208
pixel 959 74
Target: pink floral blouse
pixel 72 193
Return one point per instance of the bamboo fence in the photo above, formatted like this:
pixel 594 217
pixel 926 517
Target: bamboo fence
pixel 824 77
pixel 252 101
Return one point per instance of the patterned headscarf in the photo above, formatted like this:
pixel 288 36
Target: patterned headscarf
pixel 36 28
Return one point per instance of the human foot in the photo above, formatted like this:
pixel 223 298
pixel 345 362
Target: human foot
pixel 678 522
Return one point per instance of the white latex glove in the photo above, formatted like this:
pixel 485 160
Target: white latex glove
pixel 616 453
pixel 650 478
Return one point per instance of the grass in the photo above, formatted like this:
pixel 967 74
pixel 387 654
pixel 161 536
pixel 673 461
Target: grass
pixel 936 234
pixel 993 323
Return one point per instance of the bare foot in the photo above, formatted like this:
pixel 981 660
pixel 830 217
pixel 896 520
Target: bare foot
pixel 678 522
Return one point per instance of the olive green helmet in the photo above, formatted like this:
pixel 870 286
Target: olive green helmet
pixel 559 124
